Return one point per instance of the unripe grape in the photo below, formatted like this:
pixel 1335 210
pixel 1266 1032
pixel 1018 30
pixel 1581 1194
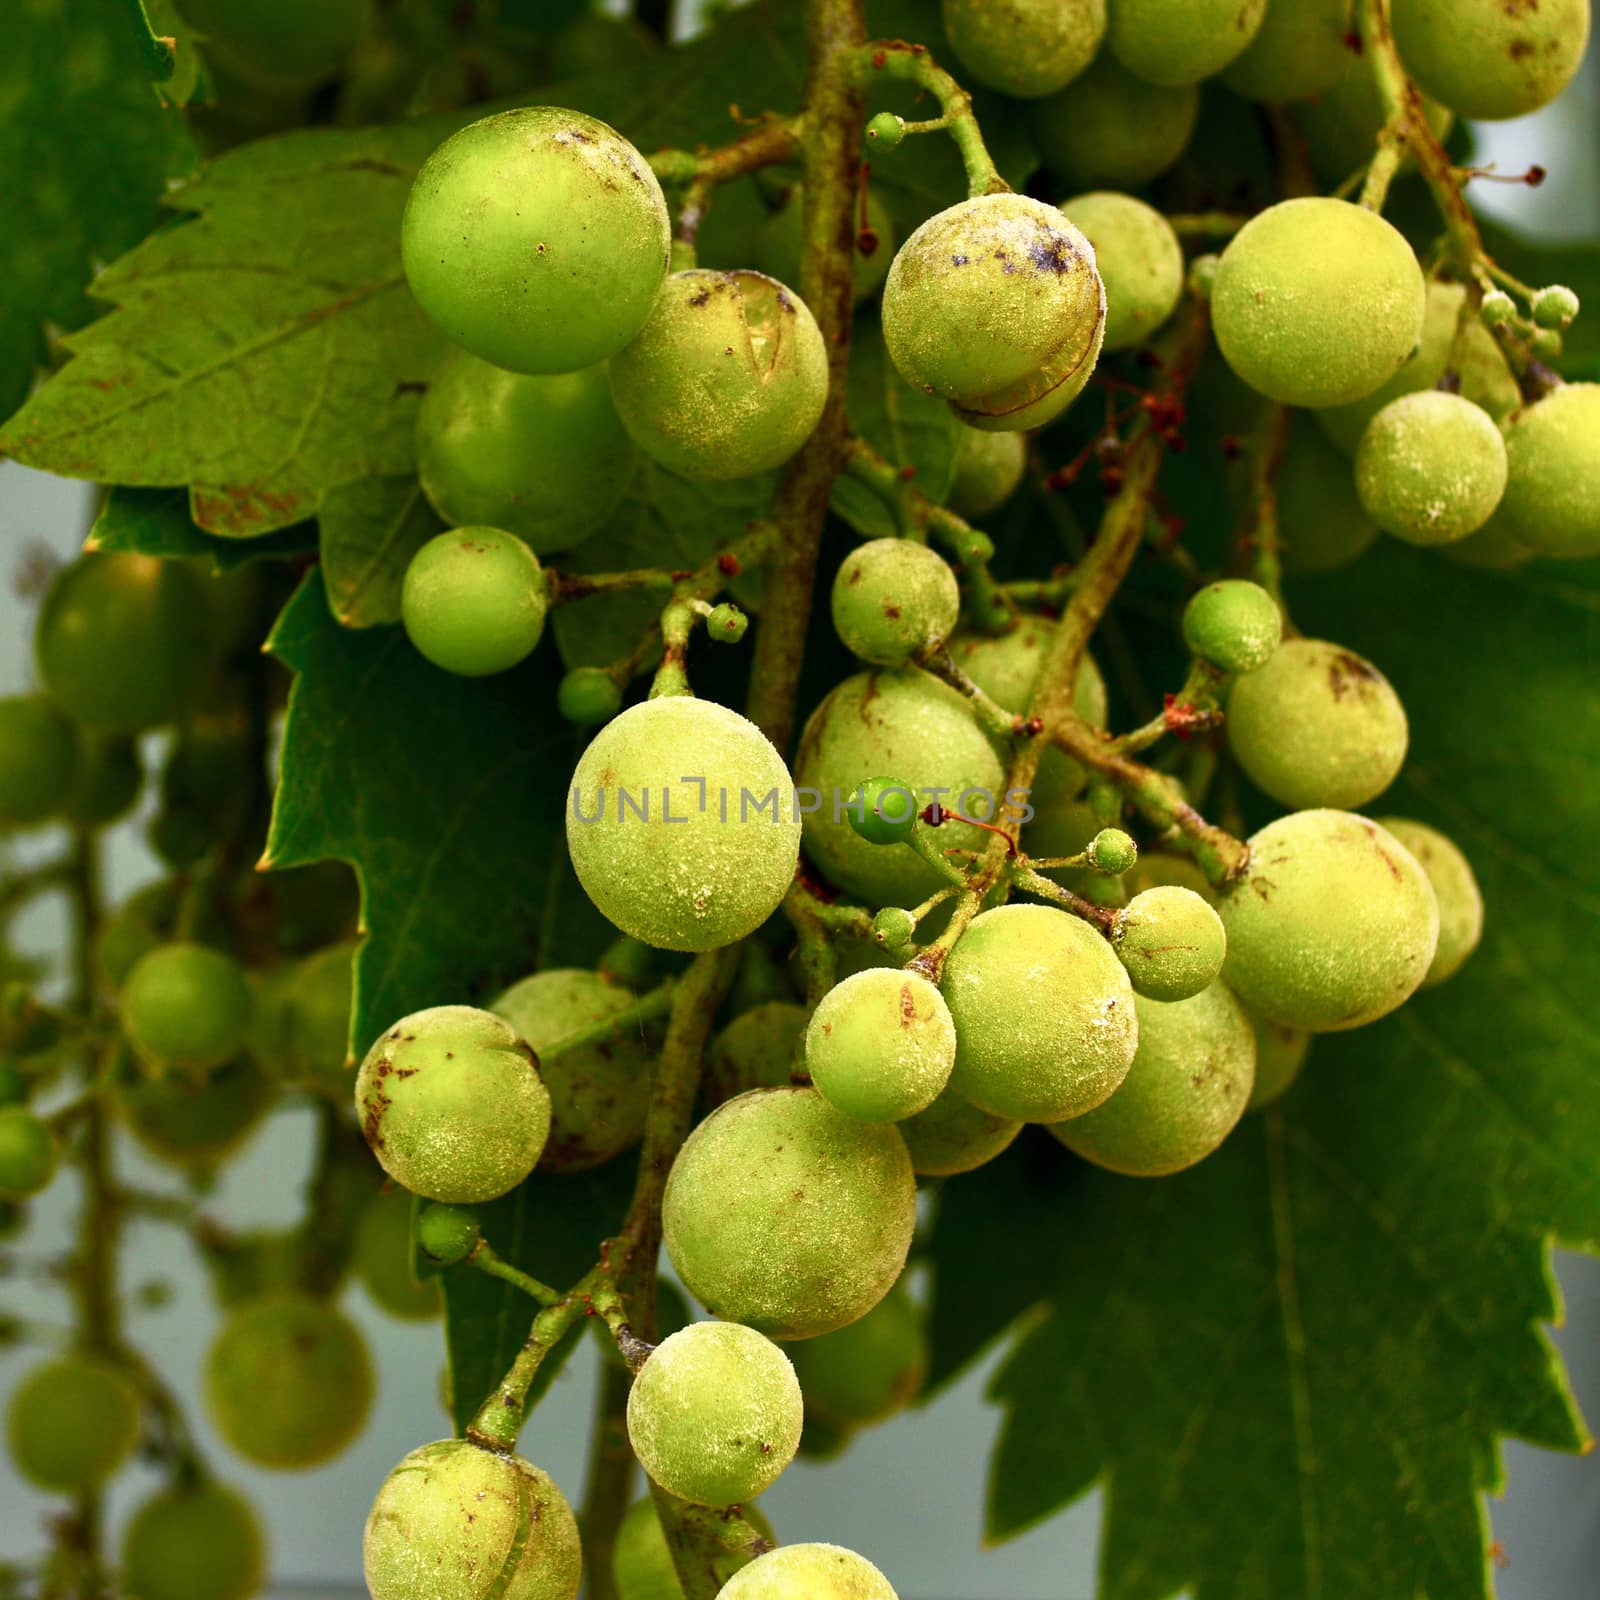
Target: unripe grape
pixel 787 1215
pixel 868 1371
pixel 1112 129
pixel 1496 546
pixel 1173 42
pixel 29 1154
pixel 451 1103
pixel 886 130
pixel 783 242
pixel 892 598
pixel 382 1259
pixel 1171 942
pixel 448 1234
pixel 1555 306
pixel 641 1560
pixel 474 601
pixel 894 928
pixel 714 1414
pixel 600 1092
pixel 455 1521
pixel 952 1135
pixel 1497 309
pixel 1546 344
pixel 1331 925
pixel 904 723
pixel 186 1005
pixel 288 1381
pixel 1552 498
pixel 1187 1088
pixel 808 1572
pixel 1318 726
pixel 996 306
pixel 1044 1014
pixel 1490 60
pixel 1024 48
pixel 588 696
pixel 1341 125
pixel 537 239
pixel 543 457
pixel 1234 625
pixel 757 1050
pixel 1112 850
pixel 883 811
pixel 988 468
pixel 199 1542
pixel 1301 49
pixel 880 1045
pixel 1280 1054
pixel 72 1422
pixel 683 861
pixel 1321 522
pixel 1138 258
pixel 38 759
pixel 108 780
pixel 1455 887
pixel 195 1124
pixel 303 1021
pixel 282 48
pixel 726 623
pixel 726 378
pixel 1431 468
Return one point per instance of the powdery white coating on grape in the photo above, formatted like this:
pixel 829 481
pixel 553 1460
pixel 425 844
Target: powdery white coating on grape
pixel 599 1092
pixel 1341 126
pixel 880 1045
pixel 1113 129
pixel 699 883
pixel 714 1414
pixel 1552 498
pixel 920 731
pixel 867 1371
pixel 952 1135
pixel 757 1050
pixel 727 377
pixel 1045 1025
pixel 457 1522
pixel 1189 1084
pixel 787 1215
pixel 808 1572
pixel 1024 48
pixel 1318 726
pixel 1332 924
pixel 892 598
pixel 1302 48
pixel 451 1103
pixel 1455 887
pixel 1280 1054
pixel 1171 941
pixel 1317 301
pixel 1431 468
pixel 1139 260
pixel 989 466
pixel 1173 42
pixel 1322 524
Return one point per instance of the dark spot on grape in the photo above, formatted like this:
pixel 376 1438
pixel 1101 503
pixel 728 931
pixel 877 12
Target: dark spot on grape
pixel 701 298
pixel 908 1006
pixel 958 261
pixel 1054 254
pixel 892 612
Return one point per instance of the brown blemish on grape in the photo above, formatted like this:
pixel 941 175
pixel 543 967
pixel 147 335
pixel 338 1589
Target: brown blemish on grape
pixel 1347 672
pixel 908 1006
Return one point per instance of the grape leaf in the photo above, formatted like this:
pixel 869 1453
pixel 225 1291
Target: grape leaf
pixel 370 530
pixel 1292 1364
pixel 156 522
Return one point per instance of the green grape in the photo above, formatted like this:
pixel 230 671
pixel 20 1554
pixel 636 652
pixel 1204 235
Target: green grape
pixel 714 1414
pixel 303 1022
pixel 1321 521
pixel 886 130
pixel 1489 59
pixel 1138 258
pixel 1174 42
pixel 808 1572
pixel 147 615
pixel 452 1105
pixel 280 45
pixel 892 598
pixel 1318 726
pixel 194 1125
pixel 880 1045
pixel 1552 499
pixel 28 1153
pixel 1187 1088
pixel 1112 130
pixel 883 811
pixel 727 377
pixel 1497 309
pixel 868 1371
pixel 448 1234
pixel 952 1135
pixel 1112 850
pixel 186 1005
pixel 109 778
pixel 72 1423
pixel 641 1561
pixel 455 1521
pixel 1234 625
pixel 537 239
pixel 1024 48
pixel 782 238
pixel 787 1215
pixel 1431 468
pixel 195 1542
pixel 1302 48
pixel 474 601
pixel 588 696
pixel 893 928
pixel 288 1381
pixel 1317 301
pixel 683 861
pixel 1341 125
pixel 757 1050
pixel 1555 306
pixel 824 1439
pixel 599 1092
pixel 382 1259
pixel 1331 925
pixel 1157 868
pixel 545 457
pixel 995 306
pixel 1171 942
pixel 1546 344
pixel 726 624
pixel 988 468
pixel 39 759
pixel 1280 1054
pixel 1455 887
pixel 1044 1014
pixel 911 725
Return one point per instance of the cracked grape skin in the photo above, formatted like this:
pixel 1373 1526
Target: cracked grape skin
pixel 786 1215
pixel 808 1572
pixel 454 1521
pixel 701 882
pixel 1024 48
pixel 1455 886
pixel 1331 925
pixel 198 1543
pixel 892 598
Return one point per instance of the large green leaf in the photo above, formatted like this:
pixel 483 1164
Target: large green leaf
pixel 370 530
pixel 156 522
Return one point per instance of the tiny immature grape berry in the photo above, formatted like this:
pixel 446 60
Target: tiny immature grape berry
pixel 989 466
pixel 869 1370
pixel 892 598
pixel 1233 624
pixel 1171 941
pixel 757 1050
pixel 474 601
pixel 38 759
pixel 1547 344
pixel 641 1560
pixel 588 696
pixel 1280 1053
pixel 894 928
pixel 1555 306
pixel 452 1105
pixel 808 1572
pixel 726 624
pixel 1138 258
pixel 200 1542
pixel 454 1521
pixel 1112 850
pixel 1497 308
pixel 1024 48
pixel 29 1154
pixel 886 130
pixel 186 1005
pixel 381 1256
pixel 714 1414
pixel 1552 498
pixel 952 1135
pixel 448 1234
pixel 1454 886
pixel 1181 41
pixel 1113 130
pixel 72 1423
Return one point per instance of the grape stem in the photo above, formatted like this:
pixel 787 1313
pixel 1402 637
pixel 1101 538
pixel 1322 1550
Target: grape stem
pixel 486 1259
pixel 1025 878
pixel 938 663
pixel 1260 539
pixel 158 49
pixel 771 141
pixel 1195 708
pixel 917 516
